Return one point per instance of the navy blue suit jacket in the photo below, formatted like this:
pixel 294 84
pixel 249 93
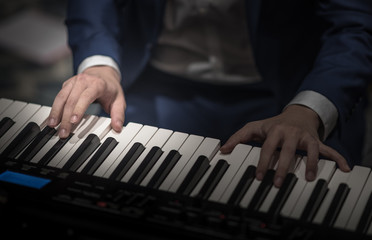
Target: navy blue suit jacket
pixel 324 46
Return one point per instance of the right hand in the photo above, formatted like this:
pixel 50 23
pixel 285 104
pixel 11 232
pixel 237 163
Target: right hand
pixel 101 83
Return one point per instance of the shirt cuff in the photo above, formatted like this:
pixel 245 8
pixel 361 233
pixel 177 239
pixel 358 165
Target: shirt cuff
pixel 325 109
pixel 98 60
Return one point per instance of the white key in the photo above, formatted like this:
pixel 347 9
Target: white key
pixel 144 135
pixel 100 129
pixel 238 175
pixel 254 156
pixel 123 138
pixel 173 143
pixel 187 150
pixel 212 163
pixel 358 177
pixel 208 148
pixel 53 140
pixel 360 205
pixel 236 159
pixel 158 140
pixel 338 178
pixel 20 121
pixel 86 126
pixel 297 189
pixel 13 109
pixel 4 104
pixel 325 171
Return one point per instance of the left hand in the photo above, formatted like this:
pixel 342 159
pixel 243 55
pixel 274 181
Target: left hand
pixel 296 128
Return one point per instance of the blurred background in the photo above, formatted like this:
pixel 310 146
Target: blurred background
pixel 35 58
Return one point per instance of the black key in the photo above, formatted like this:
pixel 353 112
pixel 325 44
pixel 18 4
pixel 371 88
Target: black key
pixel 262 191
pixel 127 162
pixel 194 175
pixel 54 150
pixel 87 147
pixel 282 195
pixel 243 185
pixel 365 219
pixel 27 134
pixel 213 179
pixel 104 150
pixel 41 139
pixel 316 198
pixel 336 205
pixel 164 169
pixel 5 124
pixel 146 165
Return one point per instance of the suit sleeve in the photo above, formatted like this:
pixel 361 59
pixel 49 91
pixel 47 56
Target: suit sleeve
pixel 344 64
pixel 93 29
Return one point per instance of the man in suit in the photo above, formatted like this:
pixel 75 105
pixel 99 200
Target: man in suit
pixel 289 74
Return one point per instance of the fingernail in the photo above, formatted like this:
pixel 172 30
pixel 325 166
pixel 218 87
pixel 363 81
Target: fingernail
pixel 51 121
pixel 310 176
pixel 259 176
pixel 74 118
pixel 62 133
pixel 278 181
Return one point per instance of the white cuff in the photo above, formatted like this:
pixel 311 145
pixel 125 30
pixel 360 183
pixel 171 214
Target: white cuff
pixel 325 109
pixel 98 60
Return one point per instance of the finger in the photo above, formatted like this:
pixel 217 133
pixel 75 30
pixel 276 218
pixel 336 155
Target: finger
pixel 267 154
pixel 312 160
pixel 77 88
pixel 117 113
pixel 87 97
pixel 335 156
pixel 56 112
pixel 286 158
pixel 244 135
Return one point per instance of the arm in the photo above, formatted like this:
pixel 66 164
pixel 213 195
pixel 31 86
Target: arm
pixel 93 30
pixel 340 73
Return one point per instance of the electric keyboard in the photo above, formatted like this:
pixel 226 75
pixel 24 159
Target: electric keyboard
pixel 153 183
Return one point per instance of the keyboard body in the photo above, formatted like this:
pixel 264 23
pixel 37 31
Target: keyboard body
pixel 63 201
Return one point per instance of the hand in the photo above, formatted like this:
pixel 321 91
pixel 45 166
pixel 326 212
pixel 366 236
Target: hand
pixel 295 128
pixel 101 83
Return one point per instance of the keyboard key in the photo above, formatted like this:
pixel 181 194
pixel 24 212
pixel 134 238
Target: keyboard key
pixel 235 160
pixel 146 165
pixel 86 148
pixel 4 104
pixel 325 171
pixel 143 136
pixel 243 185
pixel 40 140
pixel 21 119
pixel 106 148
pixel 207 148
pixel 360 206
pixel 336 204
pixel 213 179
pixel 127 162
pixel 5 124
pixel 315 200
pixel 356 181
pixel 21 140
pixel 338 178
pixel 281 197
pixel 196 172
pixel 164 169
pixel 157 140
pixel 262 191
pixel 173 144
